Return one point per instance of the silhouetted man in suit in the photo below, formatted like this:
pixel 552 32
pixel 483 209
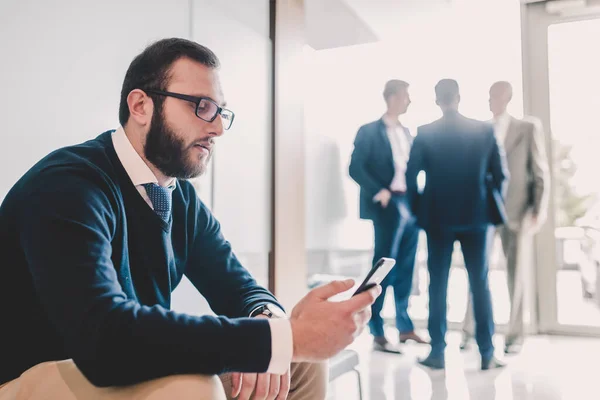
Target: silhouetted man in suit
pixel 378 165
pixel 464 179
pixel 526 203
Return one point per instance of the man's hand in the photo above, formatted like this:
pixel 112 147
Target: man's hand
pixel 383 197
pixel 323 328
pixel 320 329
pixel 532 223
pixel 264 386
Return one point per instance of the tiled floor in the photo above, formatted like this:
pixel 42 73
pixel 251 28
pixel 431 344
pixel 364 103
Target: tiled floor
pixel 549 368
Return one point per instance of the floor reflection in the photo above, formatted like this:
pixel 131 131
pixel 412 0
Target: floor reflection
pixel 549 368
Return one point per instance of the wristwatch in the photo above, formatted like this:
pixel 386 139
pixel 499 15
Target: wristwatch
pixel 268 310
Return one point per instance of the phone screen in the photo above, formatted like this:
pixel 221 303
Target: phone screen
pixel 376 275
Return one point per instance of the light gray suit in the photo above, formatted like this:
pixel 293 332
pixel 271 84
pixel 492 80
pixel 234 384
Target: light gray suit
pixel 527 193
pixel 528 166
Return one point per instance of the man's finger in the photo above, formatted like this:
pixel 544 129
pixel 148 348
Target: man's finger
pixel 236 384
pixel 284 388
pixel 274 386
pixel 367 314
pixel 363 300
pixel 248 385
pixel 359 332
pixel 261 390
pixel 331 289
pixel 363 316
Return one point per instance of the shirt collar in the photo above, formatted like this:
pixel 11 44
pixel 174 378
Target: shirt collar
pixel 390 122
pixel 503 118
pixel 134 165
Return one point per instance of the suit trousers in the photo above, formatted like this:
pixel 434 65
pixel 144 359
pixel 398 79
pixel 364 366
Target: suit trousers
pixel 440 246
pixel 396 236
pixel 62 380
pixel 512 241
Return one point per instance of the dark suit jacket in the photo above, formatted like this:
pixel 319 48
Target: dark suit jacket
pixel 465 173
pixel 372 164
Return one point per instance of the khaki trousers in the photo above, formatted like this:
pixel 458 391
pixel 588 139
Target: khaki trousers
pixel 62 380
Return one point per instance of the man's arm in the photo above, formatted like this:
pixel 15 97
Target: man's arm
pixel 216 272
pixel 66 235
pixel 538 163
pixel 497 167
pixel 229 288
pixel 358 163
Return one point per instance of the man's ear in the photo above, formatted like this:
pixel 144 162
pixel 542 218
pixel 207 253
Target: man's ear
pixel 140 106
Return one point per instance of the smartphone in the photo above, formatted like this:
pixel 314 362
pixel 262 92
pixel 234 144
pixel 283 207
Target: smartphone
pixel 376 274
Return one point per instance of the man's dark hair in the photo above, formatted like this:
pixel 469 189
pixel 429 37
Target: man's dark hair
pixel 446 91
pixel 392 87
pixel 151 68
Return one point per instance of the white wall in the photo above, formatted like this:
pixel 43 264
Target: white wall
pixel 62 68
pixel 61 74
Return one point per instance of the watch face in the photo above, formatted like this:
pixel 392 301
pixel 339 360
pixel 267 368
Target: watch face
pixel 274 311
pixel 269 310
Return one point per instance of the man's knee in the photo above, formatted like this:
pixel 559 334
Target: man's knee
pixel 182 387
pixel 309 381
pixel 63 380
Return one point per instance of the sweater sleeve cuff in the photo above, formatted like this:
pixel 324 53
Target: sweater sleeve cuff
pixel 281 346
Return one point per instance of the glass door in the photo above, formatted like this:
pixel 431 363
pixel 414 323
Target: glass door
pixel 562 82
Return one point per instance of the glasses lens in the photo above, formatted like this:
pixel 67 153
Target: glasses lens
pixel 227 118
pixel 206 110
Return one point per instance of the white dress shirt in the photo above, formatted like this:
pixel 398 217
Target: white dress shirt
pixel 140 174
pixel 400 151
pixel 501 125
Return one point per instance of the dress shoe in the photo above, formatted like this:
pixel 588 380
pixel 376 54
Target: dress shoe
pixel 465 343
pixel 491 363
pixel 381 344
pixel 405 337
pixel 434 362
pixel 512 348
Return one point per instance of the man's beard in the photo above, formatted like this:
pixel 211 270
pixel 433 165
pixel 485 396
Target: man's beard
pixel 169 153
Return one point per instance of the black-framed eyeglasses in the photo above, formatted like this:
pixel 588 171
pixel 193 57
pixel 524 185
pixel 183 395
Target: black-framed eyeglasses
pixel 206 109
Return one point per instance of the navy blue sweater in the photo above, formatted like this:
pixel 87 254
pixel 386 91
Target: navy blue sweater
pixel 88 269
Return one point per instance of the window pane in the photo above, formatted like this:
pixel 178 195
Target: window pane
pixel 574 103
